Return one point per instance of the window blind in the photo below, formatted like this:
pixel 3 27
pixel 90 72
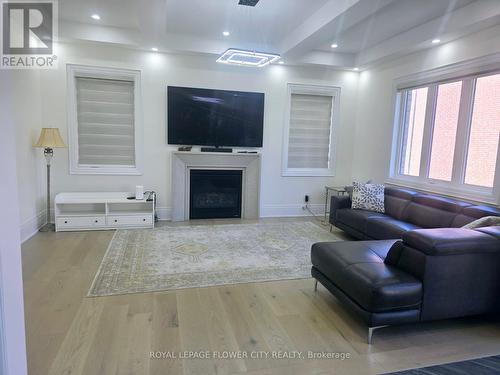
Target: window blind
pixel 309 132
pixel 106 134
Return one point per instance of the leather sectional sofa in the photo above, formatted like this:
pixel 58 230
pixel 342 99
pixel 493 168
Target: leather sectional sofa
pixel 430 274
pixel 402 273
pixel 404 210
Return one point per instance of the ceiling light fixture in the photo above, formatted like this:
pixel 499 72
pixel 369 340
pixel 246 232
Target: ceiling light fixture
pixel 334 45
pixel 247 58
pixel 226 33
pixel 436 41
pixel 154 49
pixel 96 17
pixel 356 69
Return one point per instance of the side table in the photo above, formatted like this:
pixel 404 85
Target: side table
pixel 329 190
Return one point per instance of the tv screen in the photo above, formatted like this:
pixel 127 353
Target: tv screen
pixel 208 117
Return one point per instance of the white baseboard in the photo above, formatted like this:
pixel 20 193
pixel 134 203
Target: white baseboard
pixel 270 210
pixel 30 227
pixel 164 213
pixel 291 210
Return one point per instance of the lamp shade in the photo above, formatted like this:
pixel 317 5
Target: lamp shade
pixel 50 138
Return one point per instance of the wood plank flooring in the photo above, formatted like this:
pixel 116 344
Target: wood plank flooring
pixel 68 333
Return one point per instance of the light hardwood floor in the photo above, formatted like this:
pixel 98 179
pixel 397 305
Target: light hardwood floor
pixel 68 333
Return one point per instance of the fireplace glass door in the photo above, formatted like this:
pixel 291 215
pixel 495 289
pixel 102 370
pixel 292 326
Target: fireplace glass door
pixel 215 194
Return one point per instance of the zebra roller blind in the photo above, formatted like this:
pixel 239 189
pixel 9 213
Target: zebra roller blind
pixel 309 131
pixel 106 129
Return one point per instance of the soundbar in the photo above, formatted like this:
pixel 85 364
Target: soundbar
pixel 216 149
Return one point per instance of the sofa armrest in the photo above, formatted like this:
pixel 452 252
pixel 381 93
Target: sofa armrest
pixel 451 241
pixel 338 202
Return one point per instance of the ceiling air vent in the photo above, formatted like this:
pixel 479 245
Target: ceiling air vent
pixel 250 3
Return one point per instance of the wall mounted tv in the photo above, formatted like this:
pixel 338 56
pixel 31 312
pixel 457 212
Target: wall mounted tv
pixel 206 117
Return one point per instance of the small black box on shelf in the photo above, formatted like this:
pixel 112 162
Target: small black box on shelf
pixel 216 149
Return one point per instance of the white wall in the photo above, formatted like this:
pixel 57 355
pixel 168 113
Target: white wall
pixel 13 345
pixel 279 195
pixel 375 107
pixel 26 111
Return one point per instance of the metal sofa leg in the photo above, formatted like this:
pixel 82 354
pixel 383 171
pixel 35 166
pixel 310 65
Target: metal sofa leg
pixel 315 285
pixel 370 333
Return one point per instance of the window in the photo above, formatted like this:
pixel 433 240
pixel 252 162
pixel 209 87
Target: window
pixel 448 135
pixel 416 101
pixel 104 121
pixel 309 130
pixel 444 132
pixel 484 133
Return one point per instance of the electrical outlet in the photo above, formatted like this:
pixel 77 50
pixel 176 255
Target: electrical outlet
pixel 307 197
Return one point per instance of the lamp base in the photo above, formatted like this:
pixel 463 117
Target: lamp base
pixel 49 227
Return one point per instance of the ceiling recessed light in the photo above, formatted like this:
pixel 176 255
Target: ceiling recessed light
pixel 281 62
pixel 96 17
pixel 154 49
pixel 356 69
pixel 247 58
pixel 436 41
pixel 334 45
pixel 226 33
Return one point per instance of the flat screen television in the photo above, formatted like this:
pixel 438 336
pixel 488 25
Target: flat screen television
pixel 206 117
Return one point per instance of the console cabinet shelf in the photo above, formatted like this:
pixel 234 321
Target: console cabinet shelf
pixel 100 211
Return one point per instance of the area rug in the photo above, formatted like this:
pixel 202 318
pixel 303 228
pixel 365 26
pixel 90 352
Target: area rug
pixel 167 257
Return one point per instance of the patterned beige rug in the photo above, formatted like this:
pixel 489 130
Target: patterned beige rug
pixel 205 255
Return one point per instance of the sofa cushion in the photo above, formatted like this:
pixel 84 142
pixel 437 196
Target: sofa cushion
pixel 356 218
pixel 480 211
pixel 384 228
pixel 358 269
pixel 471 213
pixel 432 211
pixel 395 206
pixel 451 241
pixel 397 200
pixel 399 192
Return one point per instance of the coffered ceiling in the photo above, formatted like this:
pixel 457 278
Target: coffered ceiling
pixel 366 32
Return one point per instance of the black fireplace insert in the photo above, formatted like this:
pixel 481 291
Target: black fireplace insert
pixel 215 194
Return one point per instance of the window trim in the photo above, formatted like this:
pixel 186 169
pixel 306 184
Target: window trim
pixel 74 71
pixel 468 72
pixel 309 89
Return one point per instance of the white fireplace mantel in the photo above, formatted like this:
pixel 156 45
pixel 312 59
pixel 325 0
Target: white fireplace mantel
pixel 183 161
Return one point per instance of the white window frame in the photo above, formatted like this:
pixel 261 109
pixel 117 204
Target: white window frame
pixel 74 71
pixel 466 72
pixel 307 89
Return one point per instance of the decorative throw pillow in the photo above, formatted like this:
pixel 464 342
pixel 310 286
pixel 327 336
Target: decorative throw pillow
pixel 368 197
pixel 486 221
pixel 350 188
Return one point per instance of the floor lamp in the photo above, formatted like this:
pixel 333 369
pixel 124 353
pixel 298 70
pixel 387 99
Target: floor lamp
pixel 49 139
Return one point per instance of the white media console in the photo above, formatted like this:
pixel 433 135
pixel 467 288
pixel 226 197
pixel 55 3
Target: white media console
pixel 99 211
